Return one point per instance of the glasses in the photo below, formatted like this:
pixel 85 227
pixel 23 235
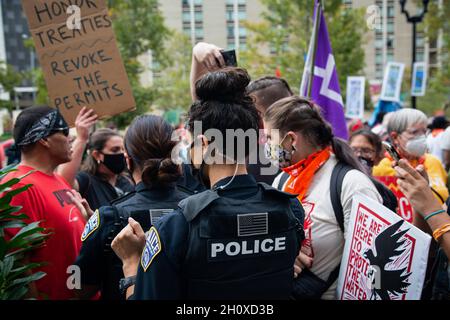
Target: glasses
pixel 364 151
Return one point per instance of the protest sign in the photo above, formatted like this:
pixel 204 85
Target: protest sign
pixel 79 56
pixel 385 257
pixel 392 83
pixel 419 80
pixel 355 97
pixel 405 209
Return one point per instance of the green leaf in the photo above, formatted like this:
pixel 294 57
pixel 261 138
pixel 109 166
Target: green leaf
pixel 26 280
pixel 17 293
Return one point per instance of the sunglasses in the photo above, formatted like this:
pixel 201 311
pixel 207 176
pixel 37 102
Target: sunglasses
pixel 64 131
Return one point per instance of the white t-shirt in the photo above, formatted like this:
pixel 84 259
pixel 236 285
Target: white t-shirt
pixel 324 240
pixel 435 145
pixel 445 139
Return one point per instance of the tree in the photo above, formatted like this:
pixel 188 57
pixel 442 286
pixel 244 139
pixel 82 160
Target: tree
pixel 438 89
pixel 139 27
pixel 173 84
pixel 281 40
pixel 9 79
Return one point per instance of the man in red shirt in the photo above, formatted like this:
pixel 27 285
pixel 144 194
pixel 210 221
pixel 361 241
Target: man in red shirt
pixel 42 136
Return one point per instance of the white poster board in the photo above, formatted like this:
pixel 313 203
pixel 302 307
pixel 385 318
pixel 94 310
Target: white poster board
pixel 384 256
pixel 354 106
pixel 392 83
pixel 419 80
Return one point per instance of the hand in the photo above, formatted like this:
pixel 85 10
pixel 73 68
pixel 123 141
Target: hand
pixel 80 203
pixel 301 262
pixel 209 56
pixel 129 244
pixel 84 122
pixel 416 188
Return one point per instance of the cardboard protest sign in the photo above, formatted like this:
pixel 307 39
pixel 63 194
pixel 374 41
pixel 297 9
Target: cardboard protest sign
pixel 79 56
pixel 385 257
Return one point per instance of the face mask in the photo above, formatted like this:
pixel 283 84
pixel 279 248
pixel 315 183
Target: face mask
pixel 367 164
pixel 198 173
pixel 115 162
pixel 417 146
pixel 277 155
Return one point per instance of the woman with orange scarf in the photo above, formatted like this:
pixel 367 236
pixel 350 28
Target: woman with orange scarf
pixel 302 144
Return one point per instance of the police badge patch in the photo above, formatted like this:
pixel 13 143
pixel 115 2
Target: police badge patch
pixel 91 225
pixel 152 248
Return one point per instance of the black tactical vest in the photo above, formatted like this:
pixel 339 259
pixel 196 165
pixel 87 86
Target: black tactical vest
pixel 241 249
pixel 145 211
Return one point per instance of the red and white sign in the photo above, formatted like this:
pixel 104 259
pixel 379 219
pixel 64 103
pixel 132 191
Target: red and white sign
pixel 385 257
pixel 405 209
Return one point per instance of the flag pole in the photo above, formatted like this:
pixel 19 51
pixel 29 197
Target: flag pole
pixel 316 37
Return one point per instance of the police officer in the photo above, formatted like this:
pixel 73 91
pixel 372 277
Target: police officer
pixel 148 147
pixel 238 240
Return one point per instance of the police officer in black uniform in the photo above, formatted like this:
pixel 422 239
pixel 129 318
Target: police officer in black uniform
pixel 238 240
pixel 148 147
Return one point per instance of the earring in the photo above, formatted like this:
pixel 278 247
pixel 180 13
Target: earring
pixel 98 161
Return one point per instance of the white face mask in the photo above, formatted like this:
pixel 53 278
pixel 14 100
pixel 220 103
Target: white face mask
pixel 417 147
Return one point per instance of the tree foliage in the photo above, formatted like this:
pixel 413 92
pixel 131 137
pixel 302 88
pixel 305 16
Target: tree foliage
pixel 281 39
pixel 438 29
pixel 139 27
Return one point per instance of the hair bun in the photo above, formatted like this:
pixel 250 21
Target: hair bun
pixel 226 85
pixel 160 172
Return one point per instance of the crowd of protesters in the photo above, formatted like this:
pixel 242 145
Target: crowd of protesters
pixel 136 222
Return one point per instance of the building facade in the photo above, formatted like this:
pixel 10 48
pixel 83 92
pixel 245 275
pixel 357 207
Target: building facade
pixel 214 21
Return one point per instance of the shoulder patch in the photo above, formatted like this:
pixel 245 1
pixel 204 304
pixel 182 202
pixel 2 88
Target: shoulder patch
pixel 92 225
pixel 152 248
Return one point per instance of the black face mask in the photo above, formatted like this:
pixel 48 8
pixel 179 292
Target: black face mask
pixel 115 162
pixel 367 164
pixel 200 175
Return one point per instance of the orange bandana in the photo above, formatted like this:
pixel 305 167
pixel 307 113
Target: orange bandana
pixel 302 173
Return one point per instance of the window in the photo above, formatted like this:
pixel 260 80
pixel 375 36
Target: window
pixel 231 2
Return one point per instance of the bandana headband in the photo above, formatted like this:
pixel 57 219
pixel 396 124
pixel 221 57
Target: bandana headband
pixel 44 127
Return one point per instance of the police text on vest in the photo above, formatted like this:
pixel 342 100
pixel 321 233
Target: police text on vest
pixel 246 247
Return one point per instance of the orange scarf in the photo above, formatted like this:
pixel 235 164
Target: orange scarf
pixel 435 132
pixel 302 173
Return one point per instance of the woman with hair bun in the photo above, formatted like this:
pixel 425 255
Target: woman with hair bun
pixel 238 240
pixel 148 149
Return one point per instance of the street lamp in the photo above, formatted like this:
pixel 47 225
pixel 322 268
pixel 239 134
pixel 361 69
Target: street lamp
pixel 414 20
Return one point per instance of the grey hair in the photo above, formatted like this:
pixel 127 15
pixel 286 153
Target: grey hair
pixel 401 120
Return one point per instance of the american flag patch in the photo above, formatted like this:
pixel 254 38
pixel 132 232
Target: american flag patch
pixel 253 224
pixel 156 214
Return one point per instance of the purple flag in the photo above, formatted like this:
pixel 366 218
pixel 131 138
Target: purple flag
pixel 325 84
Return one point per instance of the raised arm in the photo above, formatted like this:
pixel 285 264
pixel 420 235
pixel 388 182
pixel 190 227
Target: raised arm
pixel 205 58
pixel 83 123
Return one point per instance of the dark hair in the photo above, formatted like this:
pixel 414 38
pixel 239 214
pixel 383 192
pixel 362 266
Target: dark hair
pixel 225 104
pixel 148 142
pixel 373 139
pixel 301 115
pixel 97 141
pixel 269 90
pixel 26 120
pixel 439 122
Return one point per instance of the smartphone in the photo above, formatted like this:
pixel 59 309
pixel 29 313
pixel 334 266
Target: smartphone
pixel 392 151
pixel 230 58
